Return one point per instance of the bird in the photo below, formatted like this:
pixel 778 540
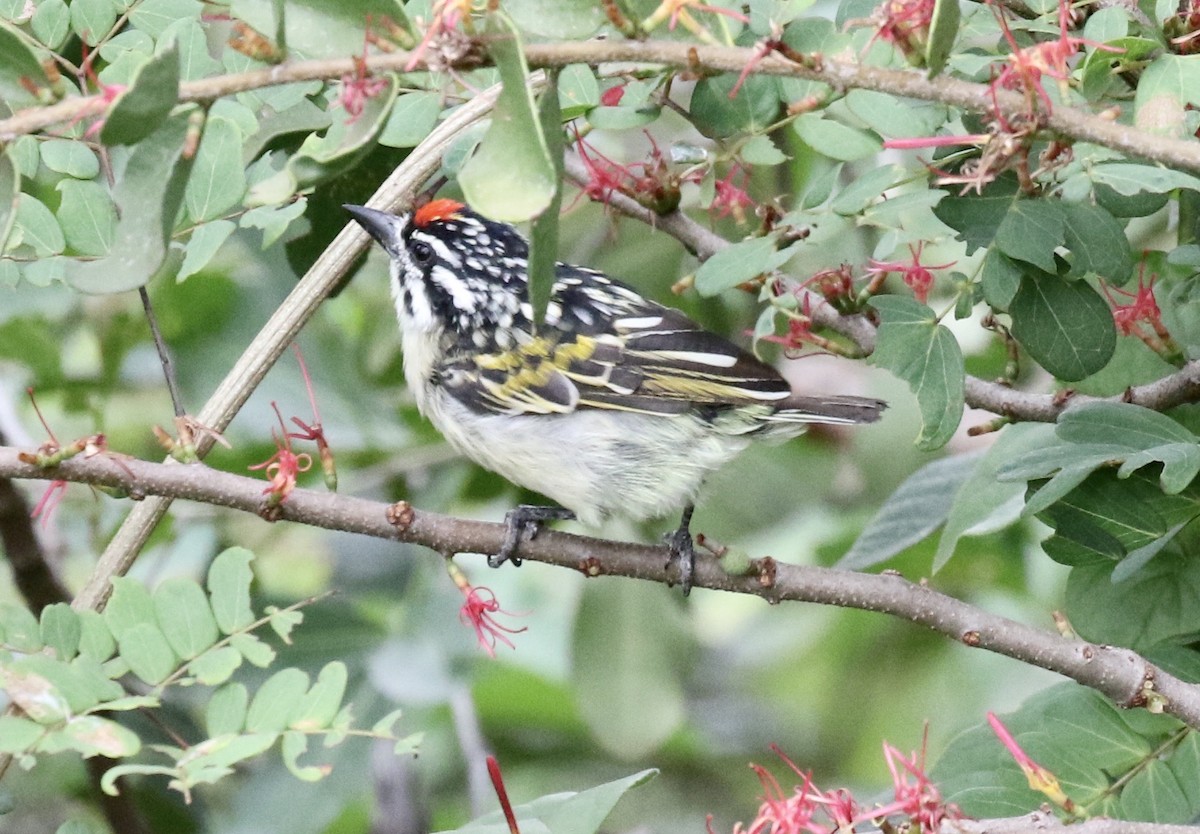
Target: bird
pixel 613 405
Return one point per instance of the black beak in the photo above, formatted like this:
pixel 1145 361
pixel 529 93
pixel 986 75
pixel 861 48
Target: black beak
pixel 381 225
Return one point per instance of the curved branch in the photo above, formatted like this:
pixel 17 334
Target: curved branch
pixel 1074 123
pixel 1120 674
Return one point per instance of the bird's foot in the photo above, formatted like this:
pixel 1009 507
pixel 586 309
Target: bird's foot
pixel 523 523
pixel 683 552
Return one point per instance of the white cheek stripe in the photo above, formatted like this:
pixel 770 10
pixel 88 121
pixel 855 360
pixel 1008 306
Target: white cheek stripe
pixel 462 296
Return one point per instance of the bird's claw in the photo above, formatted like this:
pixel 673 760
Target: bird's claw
pixel 522 523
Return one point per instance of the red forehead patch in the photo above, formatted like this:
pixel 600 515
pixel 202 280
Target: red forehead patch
pixel 436 210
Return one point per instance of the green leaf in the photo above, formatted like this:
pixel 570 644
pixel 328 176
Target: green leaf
pixel 1107 748
pixel 976 218
pixel 274 701
pixel 87 216
pixel 273 220
pixel 225 713
pixel 19 67
pixel 185 617
pixel 92 19
pixel 623 117
pixel 511 176
pixel 218 181
pixel 129 606
pixel 1097 242
pixel 37 227
pixel 295 745
pixel 51 23
pixel 145 648
pixel 563 19
pixel 896 117
pixel 413 117
pixel 1066 326
pixel 322 157
pixel 751 110
pixel 1000 278
pixel 1165 90
pixel 148 197
pixel 761 150
pixel 865 189
pixel 923 353
pixel 229 579
pixel 984 499
pixel 321 703
pixel 254 650
pixel 92 735
pixel 70 157
pixel 34 693
pixel 629 688
pixel 140 110
pixel 740 262
pixel 943 30
pixel 95 640
pixel 61 629
pixel 912 512
pixel 18 734
pixel 1031 230
pixel 215 666
pixel 1127 178
pixel 283 621
pixel 578 91
pixel 154 16
pixel 202 247
pixel 834 139
pixel 319 28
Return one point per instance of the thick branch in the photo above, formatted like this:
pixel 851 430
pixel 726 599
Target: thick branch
pixel 1122 675
pixel 980 98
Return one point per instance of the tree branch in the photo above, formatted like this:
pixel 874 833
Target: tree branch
pixel 1120 674
pixel 1070 122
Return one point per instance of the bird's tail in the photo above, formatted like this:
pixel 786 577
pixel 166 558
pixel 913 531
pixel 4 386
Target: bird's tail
pixel 836 410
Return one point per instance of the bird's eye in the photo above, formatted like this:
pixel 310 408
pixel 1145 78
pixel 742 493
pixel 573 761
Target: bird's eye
pixel 422 252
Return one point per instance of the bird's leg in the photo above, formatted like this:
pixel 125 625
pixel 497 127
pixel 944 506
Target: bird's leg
pixel 683 553
pixel 523 522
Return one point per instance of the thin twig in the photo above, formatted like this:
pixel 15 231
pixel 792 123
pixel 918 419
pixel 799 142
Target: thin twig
pixel 164 355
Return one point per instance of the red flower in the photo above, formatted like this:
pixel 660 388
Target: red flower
pixel 478 610
pixel 916 276
pixel 730 197
pixel 612 96
pixel 283 466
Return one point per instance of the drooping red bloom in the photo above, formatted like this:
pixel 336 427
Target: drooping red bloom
pixel 479 610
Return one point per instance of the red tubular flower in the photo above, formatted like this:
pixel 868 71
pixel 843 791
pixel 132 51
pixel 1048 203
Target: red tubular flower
pixel 478 610
pixel 919 278
pixel 49 502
